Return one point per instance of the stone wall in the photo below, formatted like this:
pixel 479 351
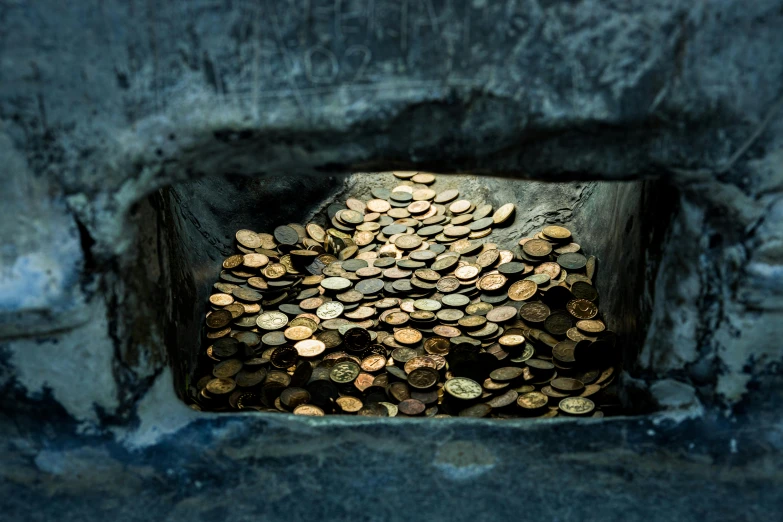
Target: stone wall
pixel 102 104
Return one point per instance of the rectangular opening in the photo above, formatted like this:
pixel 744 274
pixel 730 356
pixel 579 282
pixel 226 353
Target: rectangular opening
pixel 199 218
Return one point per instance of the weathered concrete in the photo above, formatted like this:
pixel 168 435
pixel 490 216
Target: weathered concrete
pixel 103 104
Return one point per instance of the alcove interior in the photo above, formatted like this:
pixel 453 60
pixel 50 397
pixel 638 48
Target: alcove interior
pixel 622 223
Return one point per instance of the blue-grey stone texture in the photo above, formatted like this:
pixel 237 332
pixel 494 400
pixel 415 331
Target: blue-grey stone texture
pixel 111 110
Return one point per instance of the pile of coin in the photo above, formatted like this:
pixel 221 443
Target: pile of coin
pixel 397 308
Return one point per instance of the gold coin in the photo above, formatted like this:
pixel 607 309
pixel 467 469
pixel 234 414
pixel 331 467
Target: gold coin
pixel 556 232
pixel 403 174
pixel 420 361
pixel 396 318
pixel 316 232
pixel 349 404
pixel 466 272
pixel 460 206
pixel 424 178
pixel 511 340
pixel 232 262
pixel 308 410
pixel 355 204
pixel 297 333
pixel 591 325
pixel 275 271
pixel 363 238
pixel 310 347
pixel 407 336
pixel 492 282
pixel 378 205
pixel 522 290
pixel 418 207
pixel 258 282
pixel 549 268
pixel 532 400
pixel 423 195
pixel 537 248
pixel 221 299
pixel 373 363
pixel 502 214
pixel 248 239
pixel 255 260
pixel 582 308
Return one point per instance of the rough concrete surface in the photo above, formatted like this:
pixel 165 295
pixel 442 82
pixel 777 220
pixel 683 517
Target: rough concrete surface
pixel 104 104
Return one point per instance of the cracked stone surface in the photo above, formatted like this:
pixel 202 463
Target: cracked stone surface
pixel 102 106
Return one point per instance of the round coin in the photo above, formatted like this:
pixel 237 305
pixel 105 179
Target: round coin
pixel 310 348
pixel 272 320
pixel 576 405
pixel 582 309
pixel 463 388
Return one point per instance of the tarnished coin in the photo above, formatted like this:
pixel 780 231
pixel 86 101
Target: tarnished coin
pixel 534 312
pixel 284 356
pixel 567 385
pixel 227 368
pixel 357 339
pixel 584 290
pixel 221 386
pixel 219 318
pixel 423 378
pixel 576 405
pixel 506 374
pixel 344 372
pixel 558 323
pixel 476 410
pixel 572 261
pixel 463 388
pixel 286 235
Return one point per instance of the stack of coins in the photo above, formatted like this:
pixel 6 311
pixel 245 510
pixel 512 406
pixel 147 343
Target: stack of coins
pixel 396 307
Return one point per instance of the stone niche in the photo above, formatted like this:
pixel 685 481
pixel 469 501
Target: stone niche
pixel 136 137
pixel 610 219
